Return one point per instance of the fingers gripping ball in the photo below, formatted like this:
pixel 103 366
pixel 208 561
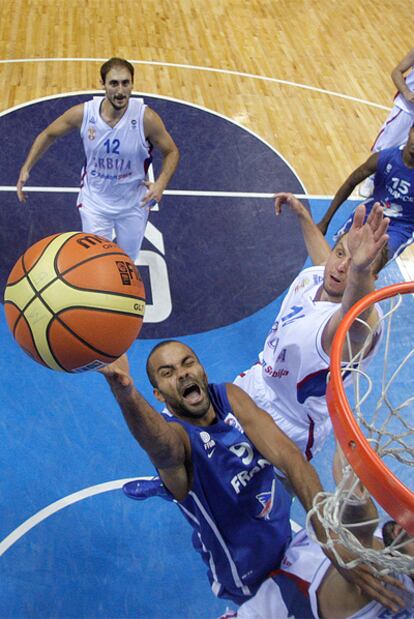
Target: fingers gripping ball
pixel 74 302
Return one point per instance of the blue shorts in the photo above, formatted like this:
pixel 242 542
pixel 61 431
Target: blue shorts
pixel 401 234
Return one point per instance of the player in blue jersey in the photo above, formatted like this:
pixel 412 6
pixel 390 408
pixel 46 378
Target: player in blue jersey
pixel 393 188
pixel 215 451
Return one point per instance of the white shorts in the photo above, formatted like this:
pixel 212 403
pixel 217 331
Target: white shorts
pixel 308 433
pixel 268 602
pixel 128 227
pixel 394 132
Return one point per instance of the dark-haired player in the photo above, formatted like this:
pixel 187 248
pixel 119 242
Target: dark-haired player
pixel 118 134
pixel 215 451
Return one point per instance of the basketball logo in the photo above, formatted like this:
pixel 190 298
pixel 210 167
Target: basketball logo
pixel 74 302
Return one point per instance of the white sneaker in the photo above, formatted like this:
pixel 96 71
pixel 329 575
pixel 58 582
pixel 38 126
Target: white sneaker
pixel 366 188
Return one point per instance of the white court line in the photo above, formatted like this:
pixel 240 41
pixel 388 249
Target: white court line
pixel 44 513
pixel 57 506
pixel 183 192
pixel 211 70
pixel 188 104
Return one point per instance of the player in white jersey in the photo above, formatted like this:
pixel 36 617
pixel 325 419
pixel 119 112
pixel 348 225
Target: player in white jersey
pixel 289 381
pixel 394 131
pixel 118 133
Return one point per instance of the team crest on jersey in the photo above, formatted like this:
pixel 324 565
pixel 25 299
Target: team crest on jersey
pixel 133 124
pixel 231 420
pixel 209 443
pixel 266 500
pixel 91 133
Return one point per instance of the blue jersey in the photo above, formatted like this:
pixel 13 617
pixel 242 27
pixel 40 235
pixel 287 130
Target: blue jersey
pixel 394 188
pixel 238 508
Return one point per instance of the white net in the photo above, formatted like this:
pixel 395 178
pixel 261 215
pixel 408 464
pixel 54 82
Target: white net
pixel 379 394
pixel 342 513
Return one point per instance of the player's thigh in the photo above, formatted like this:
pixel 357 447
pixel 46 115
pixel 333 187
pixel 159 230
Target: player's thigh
pixel 394 131
pixel 130 229
pixel 96 223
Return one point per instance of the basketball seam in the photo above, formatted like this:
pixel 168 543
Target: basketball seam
pixel 55 316
pixel 59 276
pixel 76 335
pixel 31 333
pixel 36 261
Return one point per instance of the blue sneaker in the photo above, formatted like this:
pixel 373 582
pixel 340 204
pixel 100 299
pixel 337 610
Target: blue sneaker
pixel 141 489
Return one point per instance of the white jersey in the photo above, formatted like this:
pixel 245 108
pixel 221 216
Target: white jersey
pixel 305 566
pixel 117 159
pixel 289 382
pixel 400 101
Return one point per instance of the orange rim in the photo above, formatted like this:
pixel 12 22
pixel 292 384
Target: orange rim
pixel 395 498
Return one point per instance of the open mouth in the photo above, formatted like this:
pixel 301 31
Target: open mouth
pixel 192 394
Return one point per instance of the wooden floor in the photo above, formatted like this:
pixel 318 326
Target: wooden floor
pixel 310 78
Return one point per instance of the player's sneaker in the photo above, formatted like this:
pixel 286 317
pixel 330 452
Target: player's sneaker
pixel 144 488
pixel 366 188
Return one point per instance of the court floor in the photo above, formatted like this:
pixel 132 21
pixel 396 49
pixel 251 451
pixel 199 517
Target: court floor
pixel 71 544
pixel 254 96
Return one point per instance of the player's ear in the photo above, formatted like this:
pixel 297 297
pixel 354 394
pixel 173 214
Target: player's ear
pixel 158 395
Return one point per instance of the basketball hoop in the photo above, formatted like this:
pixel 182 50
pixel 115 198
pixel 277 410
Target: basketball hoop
pixel 396 499
pixel 374 425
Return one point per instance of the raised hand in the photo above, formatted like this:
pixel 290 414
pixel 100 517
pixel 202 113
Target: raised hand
pixel 365 240
pixel 117 373
pixel 284 197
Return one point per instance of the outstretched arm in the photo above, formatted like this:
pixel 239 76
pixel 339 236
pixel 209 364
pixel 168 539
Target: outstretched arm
pixel 167 444
pixel 345 190
pixel 317 246
pixel 157 134
pixel 71 119
pixel 365 243
pixel 397 76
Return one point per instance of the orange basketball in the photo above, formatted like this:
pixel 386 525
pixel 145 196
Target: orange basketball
pixel 74 301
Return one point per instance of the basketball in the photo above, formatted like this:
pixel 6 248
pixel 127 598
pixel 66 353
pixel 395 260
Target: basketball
pixel 74 302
